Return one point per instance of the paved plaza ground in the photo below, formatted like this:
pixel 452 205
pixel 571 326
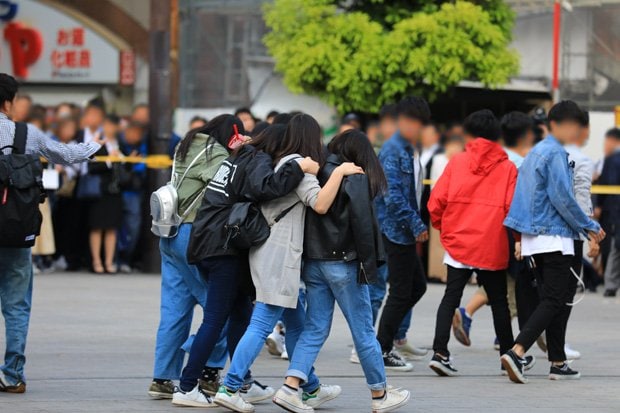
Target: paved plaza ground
pixel 92 337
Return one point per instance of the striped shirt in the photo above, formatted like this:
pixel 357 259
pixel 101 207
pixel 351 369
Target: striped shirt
pixel 40 144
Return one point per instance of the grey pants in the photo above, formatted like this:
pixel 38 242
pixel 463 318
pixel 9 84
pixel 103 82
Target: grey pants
pixel 612 270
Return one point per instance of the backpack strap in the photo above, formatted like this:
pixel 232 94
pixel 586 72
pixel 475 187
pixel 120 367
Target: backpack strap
pixel 21 136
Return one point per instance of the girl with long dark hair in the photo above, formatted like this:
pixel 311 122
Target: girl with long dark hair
pixel 276 264
pixel 342 250
pixel 198 156
pixel 245 176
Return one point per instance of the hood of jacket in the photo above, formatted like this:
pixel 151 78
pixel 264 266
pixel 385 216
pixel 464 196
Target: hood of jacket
pixel 485 155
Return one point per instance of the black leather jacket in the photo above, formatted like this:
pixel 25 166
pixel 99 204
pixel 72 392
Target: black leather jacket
pixel 349 231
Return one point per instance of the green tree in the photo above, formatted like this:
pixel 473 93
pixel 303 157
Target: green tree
pixel 359 55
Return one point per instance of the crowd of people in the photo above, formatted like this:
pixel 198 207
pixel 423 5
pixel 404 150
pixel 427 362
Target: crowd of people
pixel 271 228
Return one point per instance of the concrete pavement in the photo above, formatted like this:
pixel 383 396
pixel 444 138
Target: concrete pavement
pixel 92 337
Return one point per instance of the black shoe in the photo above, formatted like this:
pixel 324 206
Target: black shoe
pixel 442 366
pixel 609 293
pixel 514 366
pixel 530 361
pixel 563 372
pixel 392 361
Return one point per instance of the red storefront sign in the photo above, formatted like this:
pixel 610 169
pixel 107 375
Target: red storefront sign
pixel 127 72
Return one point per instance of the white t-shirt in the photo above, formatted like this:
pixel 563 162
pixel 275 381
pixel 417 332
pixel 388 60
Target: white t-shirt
pixel 448 260
pixel 540 244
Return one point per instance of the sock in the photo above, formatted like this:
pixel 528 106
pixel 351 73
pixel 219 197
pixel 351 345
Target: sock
pixel 380 397
pixel 313 392
pixel 468 315
pixel 290 388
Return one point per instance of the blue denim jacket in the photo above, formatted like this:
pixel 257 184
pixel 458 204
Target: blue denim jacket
pixel 544 202
pixel 397 209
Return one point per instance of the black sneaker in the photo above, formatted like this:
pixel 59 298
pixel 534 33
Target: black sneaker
pixel 392 361
pixel 530 361
pixel 563 372
pixel 514 366
pixel 442 366
pixel 609 293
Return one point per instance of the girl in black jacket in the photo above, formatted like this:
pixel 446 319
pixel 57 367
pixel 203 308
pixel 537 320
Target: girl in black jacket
pixel 246 176
pixel 342 249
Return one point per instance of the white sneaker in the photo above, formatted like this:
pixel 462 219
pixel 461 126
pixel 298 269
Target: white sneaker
pixel 194 398
pixel 275 343
pixel 290 401
pixel 324 394
pixel 394 399
pixel 410 352
pixel 571 354
pixel 256 392
pixel 284 355
pixel 232 401
pixel 354 357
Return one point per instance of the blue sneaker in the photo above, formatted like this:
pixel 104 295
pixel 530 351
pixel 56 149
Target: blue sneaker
pixel 461 324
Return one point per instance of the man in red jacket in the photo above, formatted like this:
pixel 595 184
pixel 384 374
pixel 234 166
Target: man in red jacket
pixel 468 206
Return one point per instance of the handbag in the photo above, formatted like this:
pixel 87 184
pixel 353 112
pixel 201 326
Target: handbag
pixel 88 187
pixel 246 227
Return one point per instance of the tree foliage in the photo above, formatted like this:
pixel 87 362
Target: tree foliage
pixel 359 55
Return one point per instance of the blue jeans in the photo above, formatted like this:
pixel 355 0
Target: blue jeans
pixel 377 294
pixel 132 221
pixel 182 288
pixel 264 319
pixel 327 282
pixel 226 301
pixel 16 301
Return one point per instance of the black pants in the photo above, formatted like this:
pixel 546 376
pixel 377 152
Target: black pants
pixel 526 293
pixel 494 283
pixel 407 285
pixel 557 287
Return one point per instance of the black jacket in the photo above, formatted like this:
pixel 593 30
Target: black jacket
pixel 247 176
pixel 349 231
pixel 610 204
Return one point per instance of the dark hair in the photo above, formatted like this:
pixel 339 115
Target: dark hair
pixel 585 119
pixel 270 139
pixel 135 125
pixel 353 146
pixel 95 106
pixel 112 118
pixel 414 107
pixel 515 126
pixel 482 124
pixel 198 118
pixel 259 127
pixel 219 129
pixel 303 136
pixel 8 88
pixel 272 114
pixel 613 133
pixel 388 111
pixel 566 111
pixel 282 118
pixel 243 110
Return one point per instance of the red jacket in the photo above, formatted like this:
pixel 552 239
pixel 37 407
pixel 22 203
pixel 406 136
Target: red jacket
pixel 469 203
